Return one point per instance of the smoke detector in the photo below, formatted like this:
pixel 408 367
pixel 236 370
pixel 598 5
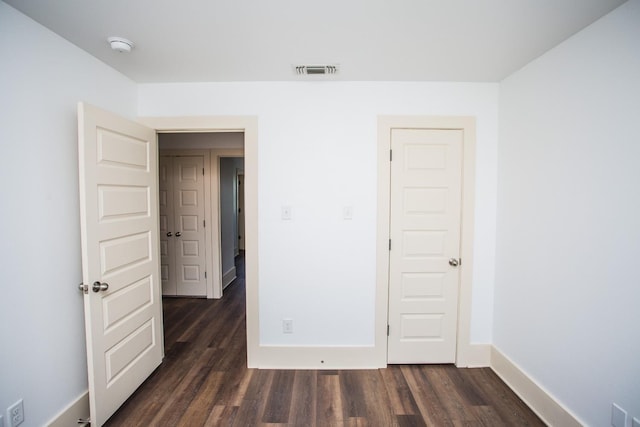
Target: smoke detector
pixel 120 44
pixel 315 69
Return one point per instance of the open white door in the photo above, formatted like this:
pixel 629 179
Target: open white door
pixel 120 257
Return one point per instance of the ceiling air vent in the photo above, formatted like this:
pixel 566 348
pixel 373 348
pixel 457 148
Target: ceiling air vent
pixel 316 69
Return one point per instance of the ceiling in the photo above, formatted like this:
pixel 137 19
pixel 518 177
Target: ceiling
pixel 261 40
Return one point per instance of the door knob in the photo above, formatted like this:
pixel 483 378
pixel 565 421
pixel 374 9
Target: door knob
pixel 178 234
pixel 97 286
pixel 169 234
pixel 453 262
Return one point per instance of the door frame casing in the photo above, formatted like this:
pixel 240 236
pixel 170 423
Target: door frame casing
pixel 249 126
pixel 467 125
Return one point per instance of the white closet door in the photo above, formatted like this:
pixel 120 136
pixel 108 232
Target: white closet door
pixel 426 189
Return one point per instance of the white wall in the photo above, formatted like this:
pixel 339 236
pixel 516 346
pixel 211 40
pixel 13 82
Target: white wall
pixel 568 235
pixel 42 77
pixel 317 153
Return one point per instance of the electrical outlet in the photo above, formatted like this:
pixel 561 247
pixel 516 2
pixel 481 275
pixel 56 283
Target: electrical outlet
pixel 618 416
pixel 15 414
pixel 287 326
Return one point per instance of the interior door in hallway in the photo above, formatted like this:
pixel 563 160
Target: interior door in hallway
pixel 426 190
pixel 183 238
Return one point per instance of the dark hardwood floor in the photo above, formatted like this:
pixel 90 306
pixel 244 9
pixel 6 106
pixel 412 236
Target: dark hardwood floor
pixel 204 381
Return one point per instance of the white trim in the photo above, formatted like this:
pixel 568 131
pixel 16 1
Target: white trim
pixel 248 125
pixel 479 356
pixel 69 416
pixel 317 357
pixel 547 407
pixel 228 277
pixel 385 124
pixel 382 240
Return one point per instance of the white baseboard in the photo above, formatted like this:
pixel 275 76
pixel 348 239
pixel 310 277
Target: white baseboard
pixel 228 277
pixel 78 409
pixel 311 357
pixel 346 357
pixel 540 401
pixel 478 356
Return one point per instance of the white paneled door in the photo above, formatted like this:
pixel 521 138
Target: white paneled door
pixel 182 238
pixel 426 190
pixel 120 257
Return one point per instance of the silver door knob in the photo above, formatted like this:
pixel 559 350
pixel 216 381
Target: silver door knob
pixel 97 286
pixel 169 234
pixel 178 234
pixel 453 262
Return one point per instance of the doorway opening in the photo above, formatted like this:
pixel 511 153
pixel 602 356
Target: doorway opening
pixel 229 169
pixel 199 222
pixel 248 126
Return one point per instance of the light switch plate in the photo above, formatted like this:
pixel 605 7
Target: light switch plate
pixel 347 212
pixel 287 326
pixel 286 212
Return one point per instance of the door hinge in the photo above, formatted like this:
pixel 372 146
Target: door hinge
pixel 205 274
pixel 389 244
pixel 390 155
pixel 204 222
pixel 387 330
pixel 84 421
pixel 202 171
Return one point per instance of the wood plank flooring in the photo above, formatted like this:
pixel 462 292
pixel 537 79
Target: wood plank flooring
pixel 204 381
